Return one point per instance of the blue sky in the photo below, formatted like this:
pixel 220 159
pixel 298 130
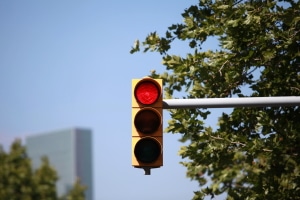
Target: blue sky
pixel 67 64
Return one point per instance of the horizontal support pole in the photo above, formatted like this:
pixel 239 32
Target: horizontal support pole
pixel 231 102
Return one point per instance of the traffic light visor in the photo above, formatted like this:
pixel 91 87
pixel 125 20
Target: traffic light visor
pixel 147 92
pixel 147 150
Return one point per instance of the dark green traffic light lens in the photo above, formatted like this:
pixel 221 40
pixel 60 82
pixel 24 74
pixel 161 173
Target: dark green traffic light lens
pixel 147 150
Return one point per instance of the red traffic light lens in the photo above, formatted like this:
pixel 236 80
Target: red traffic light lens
pixel 147 121
pixel 147 150
pixel 147 92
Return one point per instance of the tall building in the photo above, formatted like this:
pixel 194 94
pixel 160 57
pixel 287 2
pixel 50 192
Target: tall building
pixel 69 152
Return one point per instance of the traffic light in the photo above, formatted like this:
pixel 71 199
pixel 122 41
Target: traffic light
pixel 147 131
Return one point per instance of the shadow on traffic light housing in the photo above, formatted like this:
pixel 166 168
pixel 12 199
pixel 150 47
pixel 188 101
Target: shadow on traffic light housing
pixel 147 138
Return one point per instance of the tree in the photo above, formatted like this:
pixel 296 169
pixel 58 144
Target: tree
pixel 15 174
pixel 77 192
pixel 19 181
pixel 44 180
pixel 253 153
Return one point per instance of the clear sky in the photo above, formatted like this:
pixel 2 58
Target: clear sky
pixel 67 64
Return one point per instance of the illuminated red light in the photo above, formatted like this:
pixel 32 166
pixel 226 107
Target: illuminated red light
pixel 147 92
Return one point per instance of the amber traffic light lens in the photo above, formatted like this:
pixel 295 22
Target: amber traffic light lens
pixel 147 121
pixel 147 92
pixel 147 150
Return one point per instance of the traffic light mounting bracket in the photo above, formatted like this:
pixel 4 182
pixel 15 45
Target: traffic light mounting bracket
pixel 147 170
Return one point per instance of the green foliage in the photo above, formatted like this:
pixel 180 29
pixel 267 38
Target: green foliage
pixel 19 181
pixel 77 192
pixel 254 152
pixel 44 181
pixel 15 174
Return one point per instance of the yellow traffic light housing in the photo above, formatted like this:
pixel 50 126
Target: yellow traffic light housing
pixel 147 131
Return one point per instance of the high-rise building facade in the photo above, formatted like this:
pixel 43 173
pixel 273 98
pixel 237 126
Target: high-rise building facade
pixel 69 152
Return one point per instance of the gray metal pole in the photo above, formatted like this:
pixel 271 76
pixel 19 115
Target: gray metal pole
pixel 231 102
